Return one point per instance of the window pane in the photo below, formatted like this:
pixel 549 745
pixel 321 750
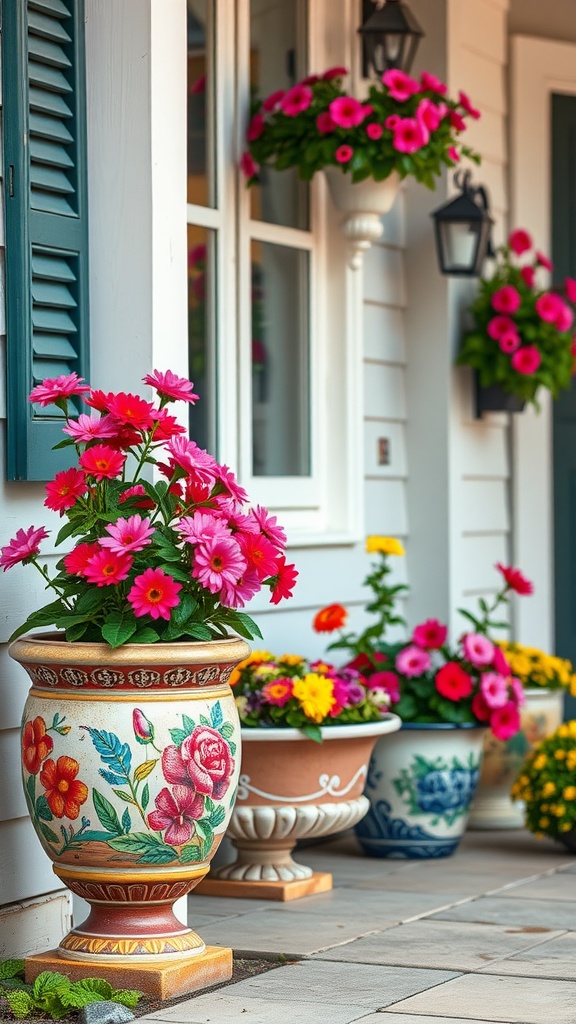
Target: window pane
pixel 201 332
pixel 201 134
pixel 280 358
pixel 278 60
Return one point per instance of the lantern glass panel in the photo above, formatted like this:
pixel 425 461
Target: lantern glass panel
pixel 459 242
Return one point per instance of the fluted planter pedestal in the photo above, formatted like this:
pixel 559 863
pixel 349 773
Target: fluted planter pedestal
pixel 292 788
pixel 363 204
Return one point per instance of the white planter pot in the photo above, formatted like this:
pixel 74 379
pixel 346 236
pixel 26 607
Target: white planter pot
pixel 364 203
pixel 493 808
pixel 292 788
pixel 420 786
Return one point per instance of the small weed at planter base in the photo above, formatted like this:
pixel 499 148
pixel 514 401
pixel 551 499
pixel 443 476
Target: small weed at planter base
pixel 53 995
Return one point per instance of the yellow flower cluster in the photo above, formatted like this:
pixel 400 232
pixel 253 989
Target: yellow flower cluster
pixel 387 545
pixel 315 694
pixel 547 784
pixel 256 658
pixel 536 668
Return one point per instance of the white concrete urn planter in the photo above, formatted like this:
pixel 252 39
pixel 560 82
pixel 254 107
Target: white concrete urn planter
pixel 492 809
pixel 363 203
pixel 292 788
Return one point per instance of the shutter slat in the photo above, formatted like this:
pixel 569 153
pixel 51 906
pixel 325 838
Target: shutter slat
pixel 43 152
pixel 56 8
pixel 47 77
pixel 47 52
pixel 49 128
pixel 48 27
pixel 46 293
pixel 53 346
pixel 50 179
pixel 44 319
pixel 48 103
pixel 52 268
pixel 50 202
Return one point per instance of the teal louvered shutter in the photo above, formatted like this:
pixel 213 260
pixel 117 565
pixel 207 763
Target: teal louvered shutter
pixel 44 117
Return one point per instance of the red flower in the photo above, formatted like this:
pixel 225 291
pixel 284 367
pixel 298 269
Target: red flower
pixel 248 165
pixel 335 72
pixel 544 261
pixel 465 103
pixel 506 299
pixel 177 812
pixel 131 410
pixel 36 745
pixel 64 490
pixel 107 568
pixel 480 708
pixel 528 275
pixel 330 618
pixel 102 462
pixel 515 580
pixel 204 760
pixel 324 123
pixel 296 100
pixel 77 559
pixel 453 682
pixel 255 128
pixel 388 681
pixel 287 576
pixel 430 634
pixel 64 792
pixel 519 241
pixel 505 721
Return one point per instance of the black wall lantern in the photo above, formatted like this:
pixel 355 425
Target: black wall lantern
pixel 390 36
pixel 463 229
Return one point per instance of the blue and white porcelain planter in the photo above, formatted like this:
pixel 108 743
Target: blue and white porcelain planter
pixel 421 783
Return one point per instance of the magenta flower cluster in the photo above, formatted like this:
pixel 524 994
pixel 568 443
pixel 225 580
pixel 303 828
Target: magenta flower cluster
pixel 404 125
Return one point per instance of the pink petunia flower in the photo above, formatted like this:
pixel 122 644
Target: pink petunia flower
pixel 272 101
pixel 344 154
pixel 453 154
pixel 217 561
pixel 336 72
pixel 528 275
pixel 248 165
pixel 500 325
pixel 570 289
pixel 154 593
pixel 25 545
pixel 506 299
pixel 432 84
pixel 106 568
pixel 430 634
pixel 465 103
pixel 428 114
pixel 169 385
pixel 177 812
pixel 392 121
pixel 255 128
pixel 88 428
pixel 324 123
pixel 478 649
pixel 52 389
pixel 132 534
pixel 374 131
pixel 400 86
pixel 505 721
pixel 509 342
pixel 64 491
pixel 549 307
pixel 526 360
pixel 409 135
pixel 494 689
pixel 413 661
pixel 457 122
pixel 296 100
pixel 285 582
pixel 544 261
pixel 346 112
pixel 102 462
pixel 520 241
pixel 565 318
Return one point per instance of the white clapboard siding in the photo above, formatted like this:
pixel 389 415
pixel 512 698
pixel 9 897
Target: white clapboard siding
pixel 33 926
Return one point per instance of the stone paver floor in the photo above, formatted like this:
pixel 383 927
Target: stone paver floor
pixel 486 935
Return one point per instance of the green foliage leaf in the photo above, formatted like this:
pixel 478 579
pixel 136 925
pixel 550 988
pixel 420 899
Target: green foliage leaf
pixel 48 834
pixel 217 816
pixel 11 969
pixel 118 628
pixel 145 796
pixel 20 1002
pixel 42 808
pixel 313 732
pixel 149 849
pixel 129 997
pixel 145 635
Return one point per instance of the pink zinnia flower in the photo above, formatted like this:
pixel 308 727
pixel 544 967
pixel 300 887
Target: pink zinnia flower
pixel 453 682
pixel 346 112
pixel 430 634
pixel 65 489
pixel 269 526
pixel 131 410
pixel 87 428
pixel 520 241
pixel 344 154
pixel 107 567
pixel 132 534
pixel 544 261
pixel 500 325
pixel 464 101
pixel 505 721
pixel 237 593
pixel 413 661
pixel 409 135
pixel 526 360
pixel 217 561
pixel 374 131
pixel 400 86
pixel 248 165
pixel 271 102
pixel 570 289
pixel 286 576
pixel 518 691
pixel 480 708
pixel 509 342
pixel 515 579
pixel 192 459
pixel 387 681
pixel 202 526
pixel 565 318
pixel 478 649
pixel 177 812
pixel 549 307
pixel 324 123
pixel 336 72
pixel 429 114
pixel 52 389
pixel 392 121
pixel 528 275
pixel 102 462
pixel 296 100
pixel 494 689
pixel 432 84
pixel 506 299
pixel 154 593
pixel 255 128
pixel 25 545
pixel 77 559
pixel 169 385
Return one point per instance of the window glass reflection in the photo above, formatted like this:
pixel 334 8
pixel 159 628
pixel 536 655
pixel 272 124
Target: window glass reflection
pixel 199 106
pixel 201 253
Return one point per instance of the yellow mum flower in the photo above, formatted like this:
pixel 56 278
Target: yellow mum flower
pixel 563 731
pixel 316 695
pixel 387 545
pixel 548 788
pixel 569 793
pixel 540 762
pixel 257 657
pixel 291 659
pixel 559 810
pixel 544 822
pixel 559 755
pixel 571 760
pixel 565 826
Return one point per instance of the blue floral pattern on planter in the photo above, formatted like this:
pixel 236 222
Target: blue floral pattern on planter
pixel 382 835
pixel 442 791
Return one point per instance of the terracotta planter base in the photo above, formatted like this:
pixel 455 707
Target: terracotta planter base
pixel 163 979
pixel 281 891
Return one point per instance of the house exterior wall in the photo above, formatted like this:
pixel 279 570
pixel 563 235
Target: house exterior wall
pixel 556 19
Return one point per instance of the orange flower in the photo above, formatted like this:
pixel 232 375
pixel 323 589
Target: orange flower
pixel 64 792
pixel 330 618
pixel 36 745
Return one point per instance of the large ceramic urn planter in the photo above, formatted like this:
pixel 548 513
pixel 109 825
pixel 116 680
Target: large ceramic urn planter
pixel 363 203
pixel 539 717
pixel 131 758
pixel 292 788
pixel 420 785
